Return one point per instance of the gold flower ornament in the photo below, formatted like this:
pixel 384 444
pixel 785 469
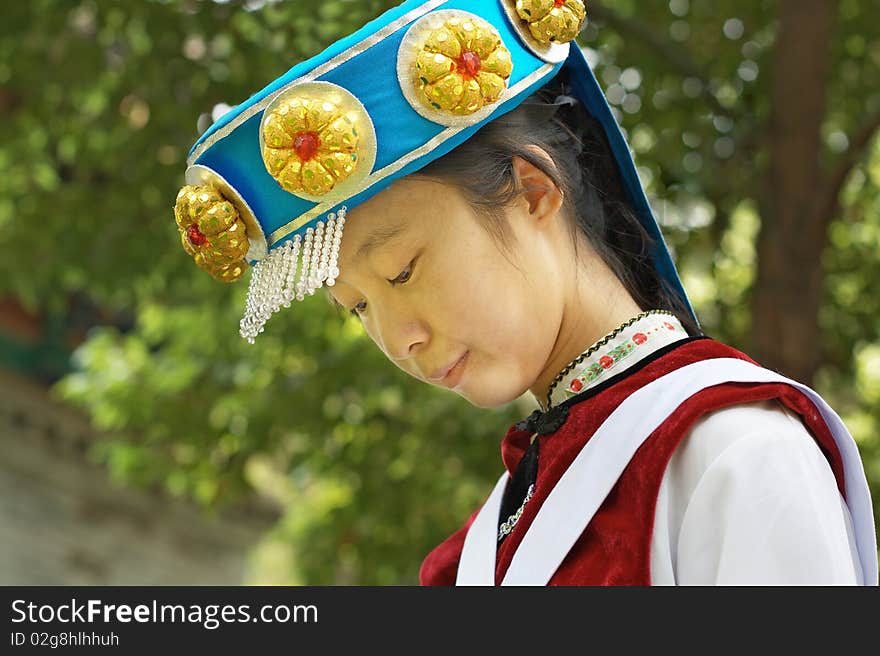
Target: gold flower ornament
pixel 317 141
pixel 552 21
pixel 461 65
pixel 309 145
pixel 212 231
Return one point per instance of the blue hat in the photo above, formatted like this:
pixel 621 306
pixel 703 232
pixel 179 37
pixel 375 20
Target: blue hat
pixel 269 183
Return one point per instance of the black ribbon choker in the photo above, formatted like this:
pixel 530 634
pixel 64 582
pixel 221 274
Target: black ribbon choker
pixel 544 423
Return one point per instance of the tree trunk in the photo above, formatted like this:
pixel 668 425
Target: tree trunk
pixel 788 286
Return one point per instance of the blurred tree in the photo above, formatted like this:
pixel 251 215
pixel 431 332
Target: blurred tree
pixel 101 100
pixel 779 127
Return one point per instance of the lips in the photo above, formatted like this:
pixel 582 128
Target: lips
pixel 440 374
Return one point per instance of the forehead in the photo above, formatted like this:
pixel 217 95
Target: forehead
pixel 407 204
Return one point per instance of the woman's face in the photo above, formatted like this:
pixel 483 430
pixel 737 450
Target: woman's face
pixel 439 288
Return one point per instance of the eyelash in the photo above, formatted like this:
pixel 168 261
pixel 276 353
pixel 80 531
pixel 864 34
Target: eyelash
pixel 354 312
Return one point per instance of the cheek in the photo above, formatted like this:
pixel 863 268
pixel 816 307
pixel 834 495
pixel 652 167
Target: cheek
pixel 371 333
pixel 494 302
pixel 509 322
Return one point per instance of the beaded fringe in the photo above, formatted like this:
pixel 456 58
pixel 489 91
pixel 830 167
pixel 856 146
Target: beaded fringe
pixel 274 281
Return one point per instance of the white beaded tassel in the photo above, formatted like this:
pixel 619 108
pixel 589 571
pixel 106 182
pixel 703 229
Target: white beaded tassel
pixel 306 261
pixel 325 248
pixel 332 268
pixel 267 289
pixel 313 283
pixel 248 328
pixel 274 280
pixel 288 294
pixel 256 310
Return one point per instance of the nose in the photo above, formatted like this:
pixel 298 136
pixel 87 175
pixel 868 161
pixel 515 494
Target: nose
pixel 402 333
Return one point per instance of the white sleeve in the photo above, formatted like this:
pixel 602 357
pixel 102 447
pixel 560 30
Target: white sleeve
pixel 748 498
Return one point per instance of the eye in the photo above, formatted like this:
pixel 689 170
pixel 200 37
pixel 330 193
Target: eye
pixel 354 311
pixel 404 276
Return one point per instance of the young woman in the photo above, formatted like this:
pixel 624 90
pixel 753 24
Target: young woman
pixel 499 242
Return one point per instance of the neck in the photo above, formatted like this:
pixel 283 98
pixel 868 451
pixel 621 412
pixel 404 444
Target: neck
pixel 594 309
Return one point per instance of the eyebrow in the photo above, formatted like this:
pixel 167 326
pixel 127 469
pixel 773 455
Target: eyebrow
pixel 380 237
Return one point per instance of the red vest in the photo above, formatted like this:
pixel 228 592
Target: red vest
pixel 615 548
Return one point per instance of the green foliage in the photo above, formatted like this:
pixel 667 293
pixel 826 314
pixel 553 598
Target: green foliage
pixel 100 102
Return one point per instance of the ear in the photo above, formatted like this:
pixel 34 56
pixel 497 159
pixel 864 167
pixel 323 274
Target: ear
pixel 544 198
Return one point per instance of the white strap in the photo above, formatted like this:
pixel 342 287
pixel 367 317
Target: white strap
pixel 477 564
pixel 581 490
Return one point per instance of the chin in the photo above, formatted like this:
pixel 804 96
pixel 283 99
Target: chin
pixel 487 398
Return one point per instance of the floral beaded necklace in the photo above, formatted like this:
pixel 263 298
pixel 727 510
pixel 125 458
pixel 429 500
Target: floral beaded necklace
pixel 628 343
pixel 651 333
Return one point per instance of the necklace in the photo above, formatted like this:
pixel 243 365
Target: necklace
pixel 595 347
pixel 519 490
pixel 507 526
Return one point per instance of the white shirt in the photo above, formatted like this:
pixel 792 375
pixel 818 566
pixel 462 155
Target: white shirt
pixel 749 499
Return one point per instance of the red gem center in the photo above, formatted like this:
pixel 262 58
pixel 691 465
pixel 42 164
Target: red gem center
pixel 559 3
pixel 605 361
pixel 469 64
pixel 196 238
pixel 306 145
pixel 576 385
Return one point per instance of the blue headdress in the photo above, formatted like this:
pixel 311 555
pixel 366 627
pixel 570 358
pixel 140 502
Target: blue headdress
pixel 268 185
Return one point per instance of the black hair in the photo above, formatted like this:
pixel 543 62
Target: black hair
pixel 585 172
